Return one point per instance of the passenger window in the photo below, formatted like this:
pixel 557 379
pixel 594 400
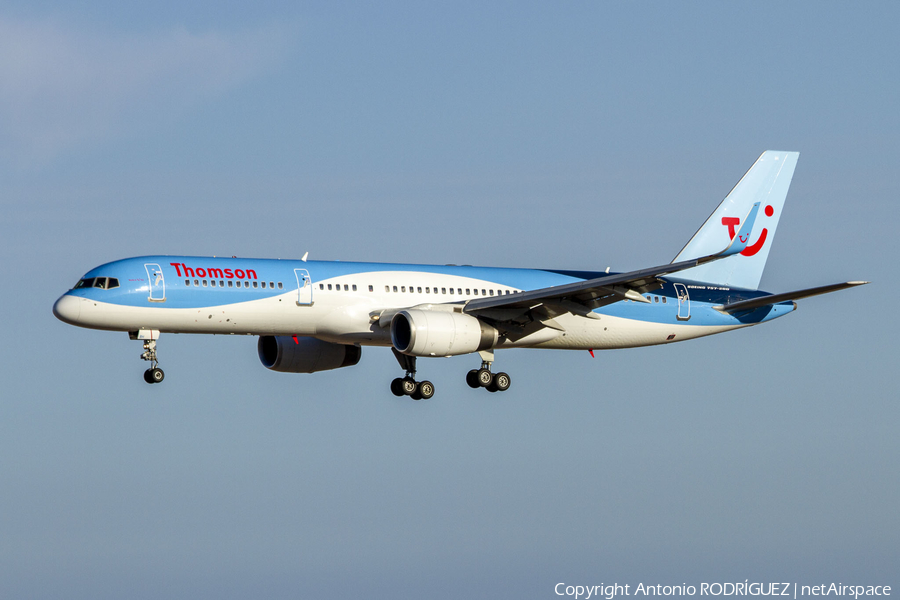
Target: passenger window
pixel 656 299
pixel 329 287
pixel 402 288
pixel 664 299
pixel 255 284
pixel 484 292
pixel 280 285
pixel 271 284
pixel 492 292
pixel 459 291
pixel 428 290
pixel 507 293
pixel 387 288
pixel 346 288
pixel 196 283
pixel 354 287
pixel 451 291
pixel 443 290
pixel 468 292
pixel 204 283
pixel 212 282
pixel 476 291
pixel 246 284
pixel 395 288
pixel 321 286
pixel 263 284
pixel 371 289
pixel 187 282
pixel 230 284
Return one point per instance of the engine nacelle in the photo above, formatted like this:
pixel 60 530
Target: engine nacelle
pixel 439 333
pixel 307 355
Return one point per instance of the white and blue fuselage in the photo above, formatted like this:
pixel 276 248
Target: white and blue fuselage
pixel 338 301
pixel 317 315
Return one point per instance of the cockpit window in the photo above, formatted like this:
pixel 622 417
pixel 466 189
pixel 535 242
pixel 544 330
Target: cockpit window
pixel 103 283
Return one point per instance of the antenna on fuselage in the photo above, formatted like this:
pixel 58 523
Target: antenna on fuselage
pixel 305 256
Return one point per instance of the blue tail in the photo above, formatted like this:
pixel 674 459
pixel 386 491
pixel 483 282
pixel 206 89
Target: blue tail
pixel 767 183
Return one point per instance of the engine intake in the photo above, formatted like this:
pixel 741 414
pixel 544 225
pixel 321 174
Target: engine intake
pixel 439 333
pixel 307 355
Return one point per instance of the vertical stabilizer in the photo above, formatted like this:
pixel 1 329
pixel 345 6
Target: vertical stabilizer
pixel 767 183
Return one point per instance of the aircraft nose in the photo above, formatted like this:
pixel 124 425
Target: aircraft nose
pixel 68 309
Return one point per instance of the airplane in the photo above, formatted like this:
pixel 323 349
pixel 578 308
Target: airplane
pixel 317 315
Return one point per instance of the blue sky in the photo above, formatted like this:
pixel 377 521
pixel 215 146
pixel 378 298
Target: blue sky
pixel 580 136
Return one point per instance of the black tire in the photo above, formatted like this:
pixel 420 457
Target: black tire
pixel 502 381
pixel 472 379
pixel 397 387
pixel 157 375
pixel 493 387
pixel 409 386
pixel 425 390
pixel 147 376
pixel 485 377
pixel 416 395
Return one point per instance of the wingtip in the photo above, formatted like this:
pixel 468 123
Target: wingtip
pixel 858 282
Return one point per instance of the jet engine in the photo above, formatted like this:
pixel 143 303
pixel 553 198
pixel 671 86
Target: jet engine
pixel 439 333
pixel 306 355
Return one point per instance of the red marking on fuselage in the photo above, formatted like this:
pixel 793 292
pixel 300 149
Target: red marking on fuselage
pixel 213 273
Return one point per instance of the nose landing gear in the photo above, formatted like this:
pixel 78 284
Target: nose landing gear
pixel 154 374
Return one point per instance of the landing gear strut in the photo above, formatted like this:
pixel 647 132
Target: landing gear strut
pixel 483 377
pixel 154 374
pixel 407 385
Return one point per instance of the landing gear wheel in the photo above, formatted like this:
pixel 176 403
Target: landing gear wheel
pixel 425 390
pixel 416 395
pixel 493 387
pixel 409 386
pixel 147 376
pixel 397 387
pixel 485 377
pixel 156 375
pixel 502 382
pixel 472 379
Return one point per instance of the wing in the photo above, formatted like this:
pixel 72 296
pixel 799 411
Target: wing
pixel 514 313
pixel 745 305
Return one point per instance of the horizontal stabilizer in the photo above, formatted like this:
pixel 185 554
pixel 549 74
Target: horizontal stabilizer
pixel 745 305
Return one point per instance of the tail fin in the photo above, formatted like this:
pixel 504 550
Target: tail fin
pixel 766 182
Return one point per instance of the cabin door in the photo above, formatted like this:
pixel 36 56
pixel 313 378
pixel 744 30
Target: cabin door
pixel 304 287
pixel 157 282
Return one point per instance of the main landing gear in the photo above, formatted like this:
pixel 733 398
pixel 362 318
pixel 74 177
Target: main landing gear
pixel 423 390
pixel 154 374
pixel 407 385
pixel 483 377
